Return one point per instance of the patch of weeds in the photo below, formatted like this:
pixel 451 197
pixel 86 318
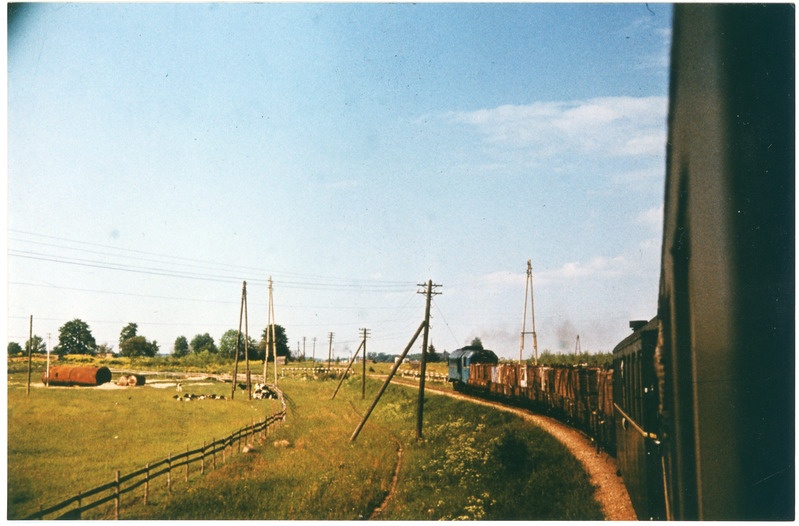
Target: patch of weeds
pixel 512 454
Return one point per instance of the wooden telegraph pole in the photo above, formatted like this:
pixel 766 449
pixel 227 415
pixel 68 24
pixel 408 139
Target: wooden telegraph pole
pixel 47 374
pixel 271 330
pixel 385 384
pixel 363 377
pixel 420 409
pixel 238 339
pixel 30 351
pixel 528 287
pixel 425 325
pixel 349 365
pixel 246 345
pixel 270 336
pixel 329 352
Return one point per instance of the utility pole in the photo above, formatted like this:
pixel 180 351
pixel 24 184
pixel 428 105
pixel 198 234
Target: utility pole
pixel 329 351
pixel 385 384
pixel 238 339
pixel 270 335
pixel 268 347
pixel 349 365
pixel 528 287
pixel 246 345
pixel 30 351
pixel 47 374
pixel 420 410
pixel 272 327
pixel 303 348
pixel 313 353
pixel 365 333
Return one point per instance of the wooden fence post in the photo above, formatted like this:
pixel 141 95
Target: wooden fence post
pixel 116 495
pixel 242 433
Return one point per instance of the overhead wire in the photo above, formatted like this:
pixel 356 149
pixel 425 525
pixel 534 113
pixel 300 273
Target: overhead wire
pixel 455 339
pixel 292 279
pixel 75 253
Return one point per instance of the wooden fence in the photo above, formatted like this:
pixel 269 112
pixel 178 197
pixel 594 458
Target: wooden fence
pixel 429 376
pixel 312 371
pixel 172 466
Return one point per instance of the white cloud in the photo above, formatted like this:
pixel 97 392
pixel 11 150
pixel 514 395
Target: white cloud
pixel 609 126
pixel 598 266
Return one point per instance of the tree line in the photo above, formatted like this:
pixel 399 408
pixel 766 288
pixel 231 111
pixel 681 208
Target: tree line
pixel 75 338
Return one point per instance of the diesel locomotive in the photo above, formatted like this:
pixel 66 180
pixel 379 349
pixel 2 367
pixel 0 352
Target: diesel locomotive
pixel 699 407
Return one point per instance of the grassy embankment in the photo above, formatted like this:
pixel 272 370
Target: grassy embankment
pixel 473 463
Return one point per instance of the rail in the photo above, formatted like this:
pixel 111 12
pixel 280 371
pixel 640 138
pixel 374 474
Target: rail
pixel 170 466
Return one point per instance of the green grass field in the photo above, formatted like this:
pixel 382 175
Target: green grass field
pixel 62 440
pixel 474 462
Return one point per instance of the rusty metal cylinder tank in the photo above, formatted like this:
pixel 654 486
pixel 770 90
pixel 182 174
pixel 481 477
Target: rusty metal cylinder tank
pixel 136 379
pixel 85 375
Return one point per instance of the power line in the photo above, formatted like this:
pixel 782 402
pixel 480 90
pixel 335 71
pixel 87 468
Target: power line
pixel 457 341
pixel 118 293
pixel 293 279
pixel 206 300
pixel 297 285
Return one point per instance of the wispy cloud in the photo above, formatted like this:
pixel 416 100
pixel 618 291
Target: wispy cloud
pixel 606 126
pixel 598 266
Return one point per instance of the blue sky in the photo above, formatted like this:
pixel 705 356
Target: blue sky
pixel 159 154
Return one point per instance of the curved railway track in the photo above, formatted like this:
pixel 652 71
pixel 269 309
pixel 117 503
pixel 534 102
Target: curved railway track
pixel 610 492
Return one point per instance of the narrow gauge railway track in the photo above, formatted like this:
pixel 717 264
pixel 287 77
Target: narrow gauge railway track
pixel 601 468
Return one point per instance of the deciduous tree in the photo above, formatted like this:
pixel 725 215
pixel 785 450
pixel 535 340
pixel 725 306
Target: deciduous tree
pixel 129 331
pixel 75 337
pixel 37 344
pixel 227 344
pixel 203 342
pixel 181 347
pixel 138 346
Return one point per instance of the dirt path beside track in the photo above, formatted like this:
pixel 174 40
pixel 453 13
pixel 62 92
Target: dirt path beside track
pixel 601 468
